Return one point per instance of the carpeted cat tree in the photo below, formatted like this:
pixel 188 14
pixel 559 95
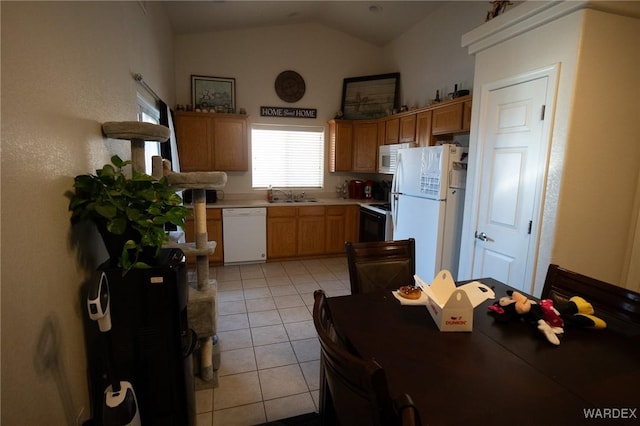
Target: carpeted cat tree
pixel 202 304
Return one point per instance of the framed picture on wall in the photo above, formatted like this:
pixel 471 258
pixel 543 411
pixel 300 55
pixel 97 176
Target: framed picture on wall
pixel 372 96
pixel 218 93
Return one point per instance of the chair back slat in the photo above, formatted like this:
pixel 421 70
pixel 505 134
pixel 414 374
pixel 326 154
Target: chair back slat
pixel 380 265
pixel 609 301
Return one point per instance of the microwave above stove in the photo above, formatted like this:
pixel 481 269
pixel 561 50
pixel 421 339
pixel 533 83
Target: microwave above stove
pixel 387 156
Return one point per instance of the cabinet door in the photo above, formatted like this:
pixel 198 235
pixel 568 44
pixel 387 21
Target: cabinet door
pixel 423 128
pixel 282 234
pixel 447 119
pixel 214 233
pixel 194 147
pixel 341 145
pixel 230 144
pixel 335 229
pixel 365 146
pixel 352 223
pixel 407 128
pixel 311 230
pixel 392 131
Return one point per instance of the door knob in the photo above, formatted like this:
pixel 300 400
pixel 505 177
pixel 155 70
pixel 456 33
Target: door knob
pixel 483 236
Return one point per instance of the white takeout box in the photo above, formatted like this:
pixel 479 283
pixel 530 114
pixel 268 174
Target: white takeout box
pixel 452 307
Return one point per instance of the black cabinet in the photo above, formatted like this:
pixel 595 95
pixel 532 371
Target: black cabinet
pixel 150 341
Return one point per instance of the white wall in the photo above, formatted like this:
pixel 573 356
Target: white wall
pixel 429 56
pixel 66 68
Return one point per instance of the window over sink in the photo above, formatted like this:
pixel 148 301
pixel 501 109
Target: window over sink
pixel 287 156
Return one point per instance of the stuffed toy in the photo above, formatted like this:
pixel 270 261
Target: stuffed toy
pixel 544 316
pixel 517 306
pixel 579 313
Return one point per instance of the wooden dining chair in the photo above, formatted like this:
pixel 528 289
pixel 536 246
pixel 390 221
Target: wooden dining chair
pixel 381 265
pixel 353 391
pixel 609 301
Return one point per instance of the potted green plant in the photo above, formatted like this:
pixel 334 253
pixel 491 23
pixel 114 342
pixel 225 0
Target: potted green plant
pixel 130 213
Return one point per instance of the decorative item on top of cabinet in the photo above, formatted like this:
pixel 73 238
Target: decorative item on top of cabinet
pixel 212 142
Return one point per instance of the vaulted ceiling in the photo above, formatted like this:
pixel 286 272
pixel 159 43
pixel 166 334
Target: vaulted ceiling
pixel 377 22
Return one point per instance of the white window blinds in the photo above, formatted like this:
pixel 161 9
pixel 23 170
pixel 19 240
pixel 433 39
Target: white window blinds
pixel 287 156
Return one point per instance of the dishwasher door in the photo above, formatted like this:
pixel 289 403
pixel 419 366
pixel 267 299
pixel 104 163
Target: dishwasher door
pixel 244 235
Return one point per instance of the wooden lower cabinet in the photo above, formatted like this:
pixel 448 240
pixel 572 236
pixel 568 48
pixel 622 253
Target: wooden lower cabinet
pixel 310 231
pixel 282 232
pixel 341 226
pixel 214 233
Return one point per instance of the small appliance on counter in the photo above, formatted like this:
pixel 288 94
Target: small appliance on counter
pixel 356 189
pixel 368 189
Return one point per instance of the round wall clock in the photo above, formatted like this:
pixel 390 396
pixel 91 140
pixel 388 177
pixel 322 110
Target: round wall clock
pixel 290 86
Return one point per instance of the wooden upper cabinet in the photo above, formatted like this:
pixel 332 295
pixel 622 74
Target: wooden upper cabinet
pixel 365 146
pixel 407 128
pixel 423 128
pixel 466 116
pixel 212 142
pixel 230 144
pixel 447 119
pixel 392 131
pixel 340 145
pixel 194 148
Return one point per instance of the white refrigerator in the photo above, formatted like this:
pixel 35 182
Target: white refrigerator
pixel 427 200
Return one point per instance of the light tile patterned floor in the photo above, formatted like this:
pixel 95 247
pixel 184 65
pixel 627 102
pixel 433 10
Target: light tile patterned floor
pixel 269 348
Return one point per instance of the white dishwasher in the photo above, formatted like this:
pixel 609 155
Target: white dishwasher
pixel 244 235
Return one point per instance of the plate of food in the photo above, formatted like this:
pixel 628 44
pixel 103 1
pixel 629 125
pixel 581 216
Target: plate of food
pixel 410 295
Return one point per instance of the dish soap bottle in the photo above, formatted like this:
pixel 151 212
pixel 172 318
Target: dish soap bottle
pixel 270 194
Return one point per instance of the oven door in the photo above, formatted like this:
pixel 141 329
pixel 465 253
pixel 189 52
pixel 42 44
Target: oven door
pixel 373 225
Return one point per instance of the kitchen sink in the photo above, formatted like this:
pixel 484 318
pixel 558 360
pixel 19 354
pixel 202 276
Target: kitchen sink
pixel 304 200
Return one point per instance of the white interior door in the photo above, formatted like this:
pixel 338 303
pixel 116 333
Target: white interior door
pixel 514 149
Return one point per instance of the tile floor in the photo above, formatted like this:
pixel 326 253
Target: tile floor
pixel 269 348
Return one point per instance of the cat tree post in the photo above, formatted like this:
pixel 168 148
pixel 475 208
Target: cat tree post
pixel 202 306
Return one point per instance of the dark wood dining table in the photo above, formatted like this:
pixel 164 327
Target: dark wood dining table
pixel 499 373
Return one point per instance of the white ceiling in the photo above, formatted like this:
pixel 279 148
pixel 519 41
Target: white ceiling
pixel 377 22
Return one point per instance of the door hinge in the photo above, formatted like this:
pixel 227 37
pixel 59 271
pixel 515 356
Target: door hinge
pixel 542 112
pixel 530 225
